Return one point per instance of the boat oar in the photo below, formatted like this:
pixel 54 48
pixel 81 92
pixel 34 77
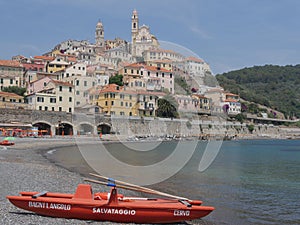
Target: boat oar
pixel 140 188
pixel 117 185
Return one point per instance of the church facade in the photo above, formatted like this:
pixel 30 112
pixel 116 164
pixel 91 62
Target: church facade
pixel 141 38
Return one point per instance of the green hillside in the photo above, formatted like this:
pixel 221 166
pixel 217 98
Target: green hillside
pixel 277 87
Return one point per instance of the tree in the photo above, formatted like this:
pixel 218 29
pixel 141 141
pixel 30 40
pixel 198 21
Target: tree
pixel 15 89
pixel 117 79
pixel 167 107
pixel 240 117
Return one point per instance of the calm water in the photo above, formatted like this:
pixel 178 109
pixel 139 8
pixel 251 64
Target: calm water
pixel 249 182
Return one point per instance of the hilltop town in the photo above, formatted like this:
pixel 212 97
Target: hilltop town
pixel 114 78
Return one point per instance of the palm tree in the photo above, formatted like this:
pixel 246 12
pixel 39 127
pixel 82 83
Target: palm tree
pixel 167 107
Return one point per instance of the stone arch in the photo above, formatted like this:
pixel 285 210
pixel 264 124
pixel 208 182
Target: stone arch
pixel 64 128
pixel 104 128
pixel 44 127
pixel 85 128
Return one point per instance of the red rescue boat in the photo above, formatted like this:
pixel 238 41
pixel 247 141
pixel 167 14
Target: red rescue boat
pixel 110 206
pixel 6 143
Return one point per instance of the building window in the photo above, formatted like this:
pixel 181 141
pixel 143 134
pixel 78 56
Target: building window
pixel 46 108
pixel 60 109
pixel 121 103
pixel 77 82
pixel 52 100
pixel 60 88
pixel 60 98
pixel 70 89
pixel 40 107
pixel 70 109
pixel 112 102
pixel 40 99
pixel 11 81
pixel 106 103
pixel 53 109
pixel 85 83
pixel 70 99
pixel 77 93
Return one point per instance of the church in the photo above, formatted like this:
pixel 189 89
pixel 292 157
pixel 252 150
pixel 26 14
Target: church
pixel 141 38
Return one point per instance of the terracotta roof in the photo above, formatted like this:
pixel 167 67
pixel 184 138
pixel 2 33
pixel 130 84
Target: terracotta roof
pixel 47 58
pixel 135 65
pixel 230 94
pixel 58 82
pixel 9 94
pixel 111 88
pixel 191 58
pixel 154 68
pixel 10 63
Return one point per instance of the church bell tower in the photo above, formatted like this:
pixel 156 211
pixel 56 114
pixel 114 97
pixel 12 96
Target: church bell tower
pixel 134 25
pixel 99 35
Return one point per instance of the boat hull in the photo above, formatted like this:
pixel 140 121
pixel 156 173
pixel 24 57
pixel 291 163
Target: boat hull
pixel 116 210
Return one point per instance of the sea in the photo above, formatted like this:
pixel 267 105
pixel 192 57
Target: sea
pixel 247 181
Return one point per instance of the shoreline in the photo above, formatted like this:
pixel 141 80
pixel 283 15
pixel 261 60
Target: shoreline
pixel 26 167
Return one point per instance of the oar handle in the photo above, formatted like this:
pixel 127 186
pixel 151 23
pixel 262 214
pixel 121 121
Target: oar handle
pixel 139 188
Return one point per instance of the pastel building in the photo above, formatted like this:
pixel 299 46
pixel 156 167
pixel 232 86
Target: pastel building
pixel 56 65
pixel 195 104
pixel 11 73
pixel 77 75
pixel 114 100
pixel 51 95
pixel 231 104
pixel 11 100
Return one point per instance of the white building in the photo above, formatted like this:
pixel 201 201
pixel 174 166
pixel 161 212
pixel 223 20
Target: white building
pixel 52 95
pixel 77 76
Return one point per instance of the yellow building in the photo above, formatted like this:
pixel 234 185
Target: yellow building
pixel 116 101
pixel 56 65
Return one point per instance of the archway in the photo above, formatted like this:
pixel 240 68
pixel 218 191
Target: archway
pixel 103 128
pixel 43 128
pixel 64 129
pixel 85 129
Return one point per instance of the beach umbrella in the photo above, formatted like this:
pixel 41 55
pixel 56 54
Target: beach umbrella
pixel 9 138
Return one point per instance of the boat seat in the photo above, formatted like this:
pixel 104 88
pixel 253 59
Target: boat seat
pixel 43 193
pixel 83 191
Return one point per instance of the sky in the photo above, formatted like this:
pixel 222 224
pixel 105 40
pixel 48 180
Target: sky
pixel 228 35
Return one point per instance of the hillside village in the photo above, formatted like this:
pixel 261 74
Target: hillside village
pixel 135 79
pixel 75 74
